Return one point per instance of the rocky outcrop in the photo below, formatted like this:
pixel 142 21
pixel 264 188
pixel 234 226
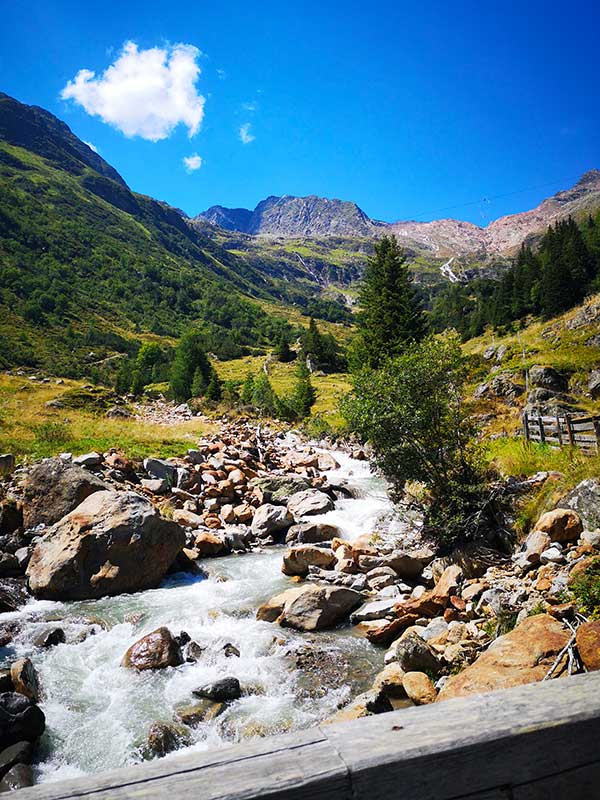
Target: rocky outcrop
pixel 585 500
pixel 524 655
pixel 113 542
pixel 53 489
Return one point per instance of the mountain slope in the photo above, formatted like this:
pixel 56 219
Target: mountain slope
pixel 289 216
pixel 89 268
pixel 310 217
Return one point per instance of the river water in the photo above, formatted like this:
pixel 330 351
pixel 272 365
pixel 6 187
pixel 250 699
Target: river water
pixel 98 713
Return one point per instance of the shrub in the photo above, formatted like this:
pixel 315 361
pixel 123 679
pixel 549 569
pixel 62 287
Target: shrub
pixel 586 590
pixel 412 412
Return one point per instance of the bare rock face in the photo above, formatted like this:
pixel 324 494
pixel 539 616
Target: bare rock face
pixel 156 650
pixel 318 607
pixel 522 656
pixel 54 488
pixel 113 542
pixel 585 499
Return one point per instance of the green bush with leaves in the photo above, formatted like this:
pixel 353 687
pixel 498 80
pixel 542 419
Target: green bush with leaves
pixel 412 412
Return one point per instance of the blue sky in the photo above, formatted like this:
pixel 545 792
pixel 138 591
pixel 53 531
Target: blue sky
pixel 409 109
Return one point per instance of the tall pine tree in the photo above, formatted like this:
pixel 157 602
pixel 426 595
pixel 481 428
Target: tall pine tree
pixel 391 314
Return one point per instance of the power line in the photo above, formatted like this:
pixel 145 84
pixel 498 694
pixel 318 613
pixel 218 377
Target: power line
pixel 494 197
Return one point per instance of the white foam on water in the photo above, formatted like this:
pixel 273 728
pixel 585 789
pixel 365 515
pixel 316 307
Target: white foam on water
pixel 98 713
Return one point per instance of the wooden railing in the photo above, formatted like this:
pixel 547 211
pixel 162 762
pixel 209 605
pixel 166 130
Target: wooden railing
pixel 563 430
pixel 526 743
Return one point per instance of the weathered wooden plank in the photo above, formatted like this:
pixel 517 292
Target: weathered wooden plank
pixel 477 748
pixel 581 783
pixel 582 426
pixel 520 735
pixel 298 766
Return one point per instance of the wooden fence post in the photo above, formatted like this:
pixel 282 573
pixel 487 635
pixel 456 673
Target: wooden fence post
pixel 569 429
pixel 541 427
pixel 558 431
pixel 526 424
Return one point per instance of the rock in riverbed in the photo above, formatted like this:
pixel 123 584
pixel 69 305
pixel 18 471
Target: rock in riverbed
pixel 313 608
pixel 113 542
pixel 156 650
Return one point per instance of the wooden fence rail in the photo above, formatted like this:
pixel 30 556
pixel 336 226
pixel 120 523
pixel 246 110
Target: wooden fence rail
pixel 527 743
pixel 563 430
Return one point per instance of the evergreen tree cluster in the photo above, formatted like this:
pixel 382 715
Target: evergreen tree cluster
pixel 258 392
pixel 564 269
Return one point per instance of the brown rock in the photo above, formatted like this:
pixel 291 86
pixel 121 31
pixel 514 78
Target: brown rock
pixel 522 656
pixel 447 585
pixel 202 711
pixel 297 560
pixel 24 679
pixel 54 488
pixel 228 514
pixel 592 563
pixel 209 544
pixel 561 524
pixel 588 645
pixel 318 607
pixel 212 521
pixel 389 680
pixel 419 688
pixel 113 542
pixel 273 608
pixel 187 518
pixel 156 650
pixel 386 633
pixel 243 512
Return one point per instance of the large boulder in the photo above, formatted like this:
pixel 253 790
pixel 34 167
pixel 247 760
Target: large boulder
pixel 21 720
pixel 308 503
pixel 220 691
pixel 588 645
pixel 270 519
pixel 561 525
pixel 585 500
pixel 272 609
pixel 522 656
pixel 54 488
pixel 113 542
pixel 318 607
pixel 413 654
pixel 278 489
pixel 298 560
pixel 311 533
pixel 156 650
pixel 548 378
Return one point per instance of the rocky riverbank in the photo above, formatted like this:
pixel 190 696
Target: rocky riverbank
pixel 254 585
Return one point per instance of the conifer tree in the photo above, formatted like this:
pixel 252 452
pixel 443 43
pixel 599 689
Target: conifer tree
pixel 247 389
pixel 214 390
pixel 190 366
pixel 304 395
pixel 391 315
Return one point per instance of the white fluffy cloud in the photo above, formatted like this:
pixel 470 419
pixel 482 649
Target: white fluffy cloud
pixel 245 136
pixel 144 93
pixel 192 163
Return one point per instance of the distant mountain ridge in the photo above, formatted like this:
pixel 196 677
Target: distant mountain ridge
pixel 312 216
pixel 291 217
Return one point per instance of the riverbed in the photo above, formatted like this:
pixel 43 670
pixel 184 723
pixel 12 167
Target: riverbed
pixel 98 713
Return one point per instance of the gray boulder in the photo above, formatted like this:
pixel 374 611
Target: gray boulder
pixel 548 378
pixel 54 488
pixel 413 654
pixel 113 542
pixel 309 503
pixel 319 607
pixel 278 489
pixel 269 519
pixel 21 720
pixel 311 533
pixel 585 499
pixel 159 469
